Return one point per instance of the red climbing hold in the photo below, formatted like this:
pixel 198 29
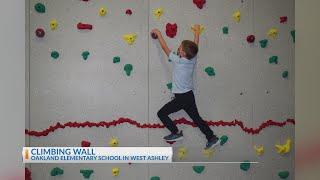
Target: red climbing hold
pixel 84 26
pixel 27 174
pixel 171 30
pixel 40 33
pixel 251 38
pixel 199 3
pixel 85 144
pixel 283 19
pixel 154 36
pixel 170 142
pixel 128 12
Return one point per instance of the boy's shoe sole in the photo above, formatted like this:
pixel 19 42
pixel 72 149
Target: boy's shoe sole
pixel 213 145
pixel 177 139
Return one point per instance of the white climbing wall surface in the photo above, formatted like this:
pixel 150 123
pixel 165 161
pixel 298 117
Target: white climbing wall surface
pixel 98 78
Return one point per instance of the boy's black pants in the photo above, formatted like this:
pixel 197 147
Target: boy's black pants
pixel 185 101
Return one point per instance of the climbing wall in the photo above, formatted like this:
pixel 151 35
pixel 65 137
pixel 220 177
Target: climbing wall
pixel 102 82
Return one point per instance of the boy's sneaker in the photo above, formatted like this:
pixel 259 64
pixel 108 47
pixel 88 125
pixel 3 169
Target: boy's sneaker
pixel 174 137
pixel 214 141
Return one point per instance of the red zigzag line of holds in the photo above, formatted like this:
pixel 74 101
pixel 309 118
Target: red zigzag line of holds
pixel 156 125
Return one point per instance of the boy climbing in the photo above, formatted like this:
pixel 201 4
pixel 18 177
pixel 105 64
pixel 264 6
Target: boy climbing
pixel 182 87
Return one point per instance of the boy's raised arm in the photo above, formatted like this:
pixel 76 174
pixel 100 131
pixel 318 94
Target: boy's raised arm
pixel 196 31
pixel 162 42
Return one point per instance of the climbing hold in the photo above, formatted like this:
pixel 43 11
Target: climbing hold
pixel 245 166
pixel 40 8
pixel 130 38
pixel 82 26
pixel 285 148
pixel 113 142
pixel 293 35
pixel 129 12
pixel 201 28
pixel 198 169
pixel 86 173
pixel 251 39
pixel 210 71
pixel 154 35
pixel 171 30
pixel 273 60
pixel 263 43
pixel 54 54
pixel 115 171
pixel 283 174
pixel 169 86
pixel 85 55
pixel 285 74
pixel 199 3
pixel 128 68
pixel 182 153
pixel 158 13
pixel 272 33
pixel 170 142
pixel 40 33
pixel 85 144
pixel 155 178
pixel 56 171
pixel 27 174
pixel 223 140
pixel 208 153
pixel 116 59
pixel 259 150
pixel 53 24
pixel 102 11
pixel 225 30
pixel 283 19
pixel 236 16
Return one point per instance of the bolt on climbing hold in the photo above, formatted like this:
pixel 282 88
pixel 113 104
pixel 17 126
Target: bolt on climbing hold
pixel 283 174
pixel 54 54
pixel 285 148
pixel 82 26
pixel 115 171
pixel 130 38
pixel 102 11
pixel 272 33
pixel 273 60
pixel 285 74
pixel 251 39
pixel 154 35
pixel 27 174
pixel 263 43
pixel 225 30
pixel 85 55
pixel 199 3
pixel 56 171
pixel 171 30
pixel 113 142
pixel 208 153
pixel 182 153
pixel 245 165
pixel 129 12
pixel 293 35
pixel 155 178
pixel 53 24
pixel 40 8
pixel 169 86
pixel 158 13
pixel 198 169
pixel 85 144
pixel 223 140
pixel 128 68
pixel 202 28
pixel 236 16
pixel 86 173
pixel 40 32
pixel 210 71
pixel 116 59
pixel 283 19
pixel 259 150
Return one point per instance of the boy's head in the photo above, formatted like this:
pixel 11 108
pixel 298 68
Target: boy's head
pixel 188 49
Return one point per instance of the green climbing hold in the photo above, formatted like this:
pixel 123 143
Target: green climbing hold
pixel 54 54
pixel 40 8
pixel 210 71
pixel 128 68
pixel 285 74
pixel 169 86
pixel 86 173
pixel 245 166
pixel 293 34
pixel 283 174
pixel 223 140
pixel 198 169
pixel 85 55
pixel 273 60
pixel 56 171
pixel 155 178
pixel 225 30
pixel 116 59
pixel 263 43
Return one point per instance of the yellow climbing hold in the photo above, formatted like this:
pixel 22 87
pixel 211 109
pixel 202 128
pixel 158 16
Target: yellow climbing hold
pixel 158 13
pixel 115 171
pixel 102 11
pixel 182 153
pixel 130 38
pixel 273 33
pixel 201 28
pixel 259 150
pixel 285 148
pixel 236 16
pixel 208 153
pixel 53 24
pixel 113 142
